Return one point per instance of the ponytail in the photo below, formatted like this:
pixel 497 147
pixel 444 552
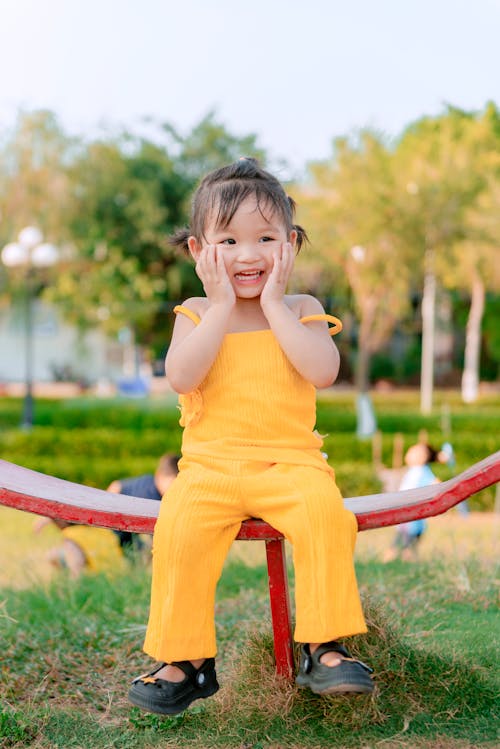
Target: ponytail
pixel 179 240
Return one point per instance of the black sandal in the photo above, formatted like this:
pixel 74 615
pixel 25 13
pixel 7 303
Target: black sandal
pixel 350 675
pixel 171 698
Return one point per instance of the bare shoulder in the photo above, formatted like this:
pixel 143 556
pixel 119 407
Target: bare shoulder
pixel 197 304
pixel 304 304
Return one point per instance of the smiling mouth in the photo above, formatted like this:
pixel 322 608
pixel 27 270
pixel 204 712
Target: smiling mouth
pixel 249 276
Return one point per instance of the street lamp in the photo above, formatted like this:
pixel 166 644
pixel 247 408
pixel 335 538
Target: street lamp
pixel 29 252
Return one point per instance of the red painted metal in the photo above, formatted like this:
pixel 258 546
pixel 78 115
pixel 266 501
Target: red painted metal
pixel 35 492
pixel 380 510
pixel 280 607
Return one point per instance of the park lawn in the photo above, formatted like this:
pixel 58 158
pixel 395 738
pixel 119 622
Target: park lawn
pixel 71 647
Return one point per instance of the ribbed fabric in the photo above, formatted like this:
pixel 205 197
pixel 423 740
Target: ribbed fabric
pixel 253 404
pixel 249 450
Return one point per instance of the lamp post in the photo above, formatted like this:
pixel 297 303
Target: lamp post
pixel 29 252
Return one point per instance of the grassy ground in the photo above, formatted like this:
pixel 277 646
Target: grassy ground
pixel 69 650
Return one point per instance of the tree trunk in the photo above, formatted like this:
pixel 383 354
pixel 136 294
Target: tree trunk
pixel 362 377
pixel 366 423
pixel 470 376
pixel 428 323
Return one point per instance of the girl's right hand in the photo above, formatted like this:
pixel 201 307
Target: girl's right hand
pixel 212 272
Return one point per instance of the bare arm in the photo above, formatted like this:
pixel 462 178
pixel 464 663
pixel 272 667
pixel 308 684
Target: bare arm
pixel 309 346
pixel 74 557
pixel 193 348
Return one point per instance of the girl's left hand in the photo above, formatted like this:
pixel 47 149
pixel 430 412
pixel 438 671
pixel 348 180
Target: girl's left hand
pixel 277 281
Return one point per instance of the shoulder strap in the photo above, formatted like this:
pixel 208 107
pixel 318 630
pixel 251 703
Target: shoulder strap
pixel 188 312
pixel 336 323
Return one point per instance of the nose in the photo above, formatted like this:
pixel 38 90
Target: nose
pixel 247 252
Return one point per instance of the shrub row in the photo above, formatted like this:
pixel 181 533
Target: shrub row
pixel 94 442
pixel 112 444
pixel 98 458
pixel 395 412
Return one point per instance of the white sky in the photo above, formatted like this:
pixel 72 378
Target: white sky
pixel 295 72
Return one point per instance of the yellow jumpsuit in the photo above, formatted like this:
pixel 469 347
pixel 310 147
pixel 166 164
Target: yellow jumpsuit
pixel 249 450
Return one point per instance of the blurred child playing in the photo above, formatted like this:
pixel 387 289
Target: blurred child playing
pixel 84 548
pixel 149 486
pixel 246 360
pixel 408 535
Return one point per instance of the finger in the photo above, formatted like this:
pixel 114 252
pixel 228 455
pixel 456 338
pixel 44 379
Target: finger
pixel 200 262
pixel 290 256
pixel 275 269
pixel 209 259
pixel 220 266
pixel 205 265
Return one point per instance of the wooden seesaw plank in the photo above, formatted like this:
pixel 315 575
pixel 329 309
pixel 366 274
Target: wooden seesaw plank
pixel 42 494
pixel 35 492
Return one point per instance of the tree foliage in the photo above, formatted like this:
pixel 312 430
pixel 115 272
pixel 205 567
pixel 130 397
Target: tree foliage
pixel 388 212
pixel 376 210
pixel 350 205
pixel 111 204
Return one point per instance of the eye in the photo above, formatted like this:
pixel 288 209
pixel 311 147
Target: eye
pixel 267 239
pixel 227 241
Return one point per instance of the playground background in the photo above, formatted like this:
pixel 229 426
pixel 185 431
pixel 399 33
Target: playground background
pixel 70 646
pixel 94 441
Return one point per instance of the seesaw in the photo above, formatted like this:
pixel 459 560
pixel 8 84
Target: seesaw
pixel 41 494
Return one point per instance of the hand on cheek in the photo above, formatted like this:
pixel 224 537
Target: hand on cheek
pixel 277 281
pixel 211 270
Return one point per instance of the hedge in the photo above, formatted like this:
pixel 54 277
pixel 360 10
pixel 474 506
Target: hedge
pixel 94 442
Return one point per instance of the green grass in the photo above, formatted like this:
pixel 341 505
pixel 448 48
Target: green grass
pixel 70 648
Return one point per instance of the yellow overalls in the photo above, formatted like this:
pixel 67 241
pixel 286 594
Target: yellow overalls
pixel 249 450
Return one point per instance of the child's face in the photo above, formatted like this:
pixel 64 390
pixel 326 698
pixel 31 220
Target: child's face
pixel 248 245
pixel 417 455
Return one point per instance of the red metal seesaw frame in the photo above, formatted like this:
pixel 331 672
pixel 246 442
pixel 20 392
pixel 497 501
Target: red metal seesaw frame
pixel 46 495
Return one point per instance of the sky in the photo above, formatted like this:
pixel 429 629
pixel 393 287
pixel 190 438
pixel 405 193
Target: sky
pixel 297 73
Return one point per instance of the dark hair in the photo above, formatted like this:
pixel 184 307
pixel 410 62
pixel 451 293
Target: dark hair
pixel 432 454
pixel 168 464
pixel 224 190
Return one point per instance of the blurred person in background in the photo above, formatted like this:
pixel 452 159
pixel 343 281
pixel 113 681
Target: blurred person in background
pixel 84 548
pixel 148 486
pixel 419 474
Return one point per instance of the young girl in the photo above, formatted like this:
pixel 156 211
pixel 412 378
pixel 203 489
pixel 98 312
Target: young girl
pixel 408 535
pixel 246 360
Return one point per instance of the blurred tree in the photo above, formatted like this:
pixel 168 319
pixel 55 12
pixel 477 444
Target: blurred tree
pixel 450 167
pixel 128 194
pixel 447 167
pixel 33 180
pixel 492 334
pixel 432 196
pixel 348 203
pixel 475 267
pixel 34 185
pixel 209 145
